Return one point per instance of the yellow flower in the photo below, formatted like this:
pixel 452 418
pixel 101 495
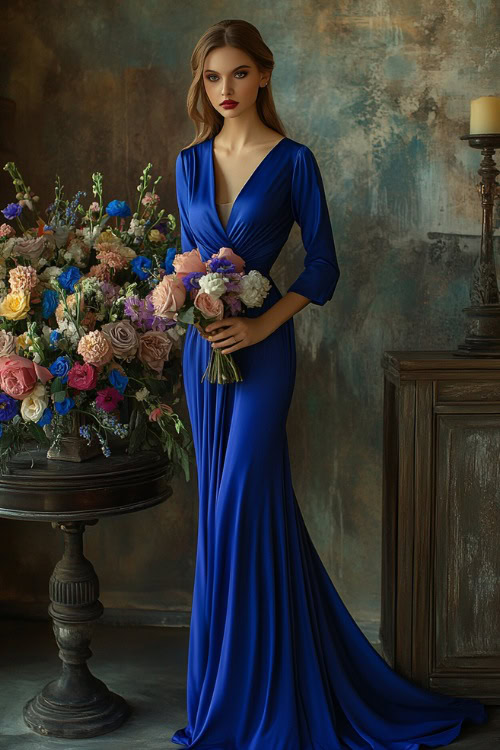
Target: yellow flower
pixel 156 236
pixel 15 305
pixel 23 341
pixel 108 236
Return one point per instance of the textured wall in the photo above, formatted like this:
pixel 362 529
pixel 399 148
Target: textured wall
pixel 380 92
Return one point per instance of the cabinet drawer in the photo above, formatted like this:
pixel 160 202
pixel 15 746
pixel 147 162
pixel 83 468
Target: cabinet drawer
pixel 463 391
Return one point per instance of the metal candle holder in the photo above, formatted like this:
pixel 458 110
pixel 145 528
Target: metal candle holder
pixel 483 315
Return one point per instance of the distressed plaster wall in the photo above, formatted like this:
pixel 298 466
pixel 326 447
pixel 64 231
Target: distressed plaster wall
pixel 380 92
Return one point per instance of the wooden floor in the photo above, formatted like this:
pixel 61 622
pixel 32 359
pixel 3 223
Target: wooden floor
pixel 147 666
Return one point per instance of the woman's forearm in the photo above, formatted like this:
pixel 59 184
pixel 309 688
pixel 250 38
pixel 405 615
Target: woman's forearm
pixel 283 310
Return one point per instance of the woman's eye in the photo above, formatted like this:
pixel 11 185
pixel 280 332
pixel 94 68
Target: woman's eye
pixel 241 73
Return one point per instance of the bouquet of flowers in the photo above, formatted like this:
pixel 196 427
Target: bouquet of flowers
pixel 80 342
pixel 203 291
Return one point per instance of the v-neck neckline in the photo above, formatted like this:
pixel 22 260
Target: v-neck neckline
pixel 210 142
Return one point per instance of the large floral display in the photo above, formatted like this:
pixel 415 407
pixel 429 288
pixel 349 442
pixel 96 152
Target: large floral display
pixel 82 346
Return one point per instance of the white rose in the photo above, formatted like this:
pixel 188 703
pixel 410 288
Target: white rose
pixel 33 406
pixel 213 284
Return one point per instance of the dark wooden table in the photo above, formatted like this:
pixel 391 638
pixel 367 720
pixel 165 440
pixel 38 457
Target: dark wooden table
pixel 71 496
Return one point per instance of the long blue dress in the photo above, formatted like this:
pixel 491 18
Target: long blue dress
pixel 275 662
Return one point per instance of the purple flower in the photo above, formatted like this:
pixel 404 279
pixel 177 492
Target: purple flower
pixel 190 280
pixel 221 265
pixel 133 307
pixel 9 407
pixel 12 210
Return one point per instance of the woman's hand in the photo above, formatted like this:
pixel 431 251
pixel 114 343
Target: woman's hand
pixel 201 330
pixel 236 332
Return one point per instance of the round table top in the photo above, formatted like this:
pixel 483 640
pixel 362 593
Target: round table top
pixel 42 489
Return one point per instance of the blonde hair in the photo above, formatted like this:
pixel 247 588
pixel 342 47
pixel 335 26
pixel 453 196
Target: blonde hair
pixel 241 35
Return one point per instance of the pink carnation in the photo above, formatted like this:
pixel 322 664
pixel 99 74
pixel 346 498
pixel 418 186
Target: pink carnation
pixel 95 348
pixel 6 230
pixel 110 257
pixel 108 399
pixel 22 278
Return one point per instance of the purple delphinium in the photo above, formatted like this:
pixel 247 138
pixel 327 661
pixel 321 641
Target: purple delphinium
pixel 9 407
pixel 221 265
pixel 12 210
pixel 190 281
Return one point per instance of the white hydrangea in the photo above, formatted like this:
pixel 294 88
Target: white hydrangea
pixel 46 331
pixel 51 272
pixel 3 269
pixel 213 284
pixel 6 247
pixel 90 235
pixel 254 288
pixel 74 254
pixel 68 329
pixel 136 227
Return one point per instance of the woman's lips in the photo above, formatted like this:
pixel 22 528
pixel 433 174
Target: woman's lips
pixel 229 105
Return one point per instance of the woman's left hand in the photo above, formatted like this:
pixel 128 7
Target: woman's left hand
pixel 246 331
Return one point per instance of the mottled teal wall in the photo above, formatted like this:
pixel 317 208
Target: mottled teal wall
pixel 380 92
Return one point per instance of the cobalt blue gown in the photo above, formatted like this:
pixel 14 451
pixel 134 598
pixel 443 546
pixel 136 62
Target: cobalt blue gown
pixel 275 662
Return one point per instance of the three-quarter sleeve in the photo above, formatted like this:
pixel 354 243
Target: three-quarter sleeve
pixel 321 271
pixel 181 185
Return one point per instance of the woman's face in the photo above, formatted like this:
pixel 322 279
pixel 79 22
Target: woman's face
pixel 229 73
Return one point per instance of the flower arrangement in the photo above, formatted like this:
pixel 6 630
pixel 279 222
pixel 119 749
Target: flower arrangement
pixel 80 341
pixel 203 291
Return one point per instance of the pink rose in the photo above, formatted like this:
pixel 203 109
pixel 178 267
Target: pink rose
pixel 159 411
pixel 108 399
pixel 154 349
pixel 82 377
pixel 168 296
pixel 228 254
pixel 209 306
pixel 19 376
pixel 190 262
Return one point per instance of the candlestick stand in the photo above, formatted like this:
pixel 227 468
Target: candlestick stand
pixel 483 315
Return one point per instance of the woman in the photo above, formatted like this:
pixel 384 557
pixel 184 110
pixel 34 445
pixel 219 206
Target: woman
pixel 276 662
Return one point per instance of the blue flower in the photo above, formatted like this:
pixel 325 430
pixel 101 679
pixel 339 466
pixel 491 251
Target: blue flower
pixel 12 210
pixel 9 407
pixel 54 338
pixel 50 300
pixel 168 265
pixel 69 277
pixel 63 407
pixel 138 264
pixel 118 380
pixel 60 368
pixel 118 208
pixel 46 418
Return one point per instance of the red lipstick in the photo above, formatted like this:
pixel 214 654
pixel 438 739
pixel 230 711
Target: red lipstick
pixel 229 104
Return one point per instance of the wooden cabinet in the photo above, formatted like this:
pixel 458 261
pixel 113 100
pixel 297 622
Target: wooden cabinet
pixel 440 623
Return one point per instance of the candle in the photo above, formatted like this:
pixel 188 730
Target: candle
pixel 485 115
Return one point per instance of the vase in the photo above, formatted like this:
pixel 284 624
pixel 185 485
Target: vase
pixel 72 446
